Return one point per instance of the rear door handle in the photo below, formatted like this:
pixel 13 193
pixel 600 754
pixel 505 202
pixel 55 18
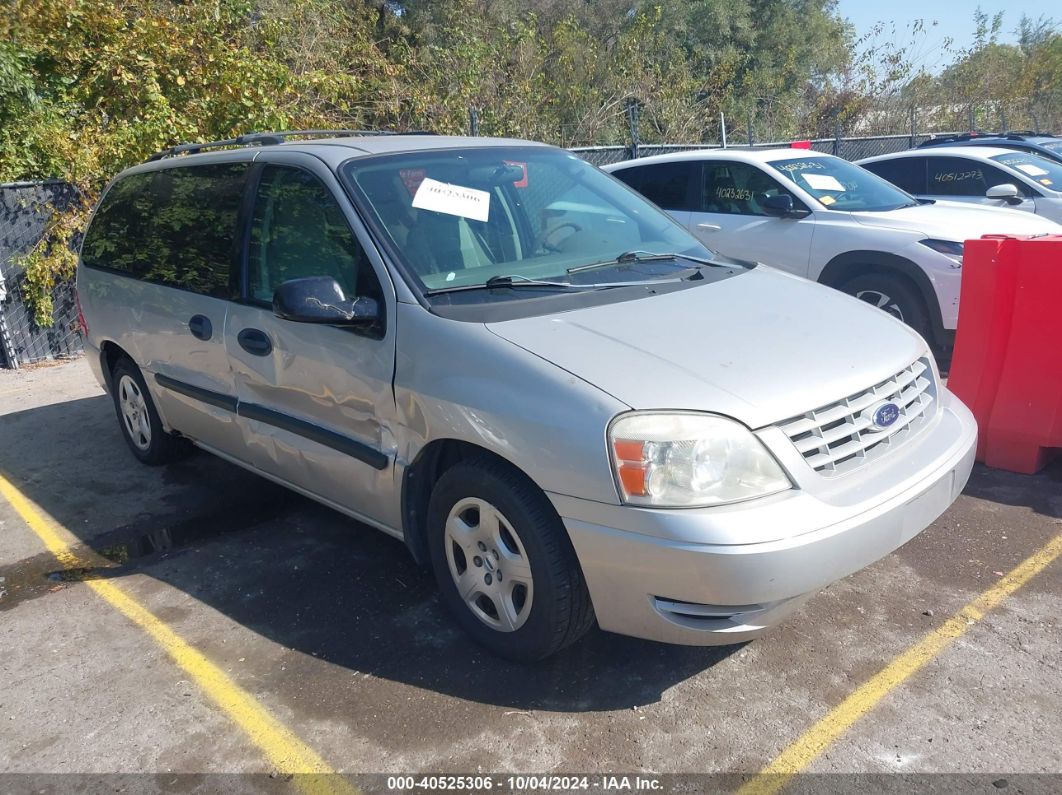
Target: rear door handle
pixel 200 327
pixel 710 227
pixel 255 342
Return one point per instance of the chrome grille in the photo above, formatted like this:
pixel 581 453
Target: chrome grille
pixel 840 436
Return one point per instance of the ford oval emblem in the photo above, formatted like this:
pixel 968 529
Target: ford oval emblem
pixel 884 414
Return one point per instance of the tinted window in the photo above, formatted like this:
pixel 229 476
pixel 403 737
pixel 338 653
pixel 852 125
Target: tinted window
pixel 664 184
pixel 175 227
pixel 737 189
pixel 957 176
pixel 908 173
pixel 118 237
pixel 299 230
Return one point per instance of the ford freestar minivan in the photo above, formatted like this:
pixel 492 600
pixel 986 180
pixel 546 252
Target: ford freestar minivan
pixel 538 380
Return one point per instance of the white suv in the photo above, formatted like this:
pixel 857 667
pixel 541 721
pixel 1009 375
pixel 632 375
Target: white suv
pixel 826 219
pixel 986 175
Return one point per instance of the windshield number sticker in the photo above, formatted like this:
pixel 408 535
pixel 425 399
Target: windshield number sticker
pixel 958 176
pixel 442 197
pixel 799 165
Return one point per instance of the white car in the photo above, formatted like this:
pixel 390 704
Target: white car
pixel 828 220
pixel 987 175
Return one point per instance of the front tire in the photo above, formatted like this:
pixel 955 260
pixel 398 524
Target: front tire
pixel 138 417
pixel 894 296
pixel 505 566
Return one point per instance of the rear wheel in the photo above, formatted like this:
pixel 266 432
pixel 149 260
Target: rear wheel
pixel 893 295
pixel 503 561
pixel 138 418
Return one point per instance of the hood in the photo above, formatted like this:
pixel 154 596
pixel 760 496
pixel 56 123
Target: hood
pixel 959 221
pixel 760 347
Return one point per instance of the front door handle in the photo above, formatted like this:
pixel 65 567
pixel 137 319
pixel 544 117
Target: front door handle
pixel 200 327
pixel 709 227
pixel 255 342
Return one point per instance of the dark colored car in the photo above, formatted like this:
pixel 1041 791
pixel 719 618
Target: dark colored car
pixel 1049 146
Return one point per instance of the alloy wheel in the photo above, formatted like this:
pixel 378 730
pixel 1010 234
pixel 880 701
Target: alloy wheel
pixel 882 301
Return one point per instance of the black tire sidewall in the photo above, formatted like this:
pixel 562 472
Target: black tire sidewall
pixel 161 446
pixel 532 517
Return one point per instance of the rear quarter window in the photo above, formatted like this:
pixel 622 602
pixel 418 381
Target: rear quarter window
pixel 667 185
pixel 906 173
pixel 175 227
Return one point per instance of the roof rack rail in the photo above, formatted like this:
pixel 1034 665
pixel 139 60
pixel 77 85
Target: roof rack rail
pixel 270 139
pixel 936 138
pixel 1028 132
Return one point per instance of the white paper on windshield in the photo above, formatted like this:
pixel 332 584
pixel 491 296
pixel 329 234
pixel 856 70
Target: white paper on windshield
pixel 823 182
pixel 1031 170
pixel 442 197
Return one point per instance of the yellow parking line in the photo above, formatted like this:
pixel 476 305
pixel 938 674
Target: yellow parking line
pixel 806 748
pixel 284 750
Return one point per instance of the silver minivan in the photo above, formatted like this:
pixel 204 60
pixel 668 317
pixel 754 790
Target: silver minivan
pixel 544 386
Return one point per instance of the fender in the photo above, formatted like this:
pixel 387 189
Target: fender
pixel 854 263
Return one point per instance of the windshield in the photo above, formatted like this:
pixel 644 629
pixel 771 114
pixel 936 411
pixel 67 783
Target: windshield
pixel 458 217
pixel 1054 146
pixel 840 185
pixel 1039 169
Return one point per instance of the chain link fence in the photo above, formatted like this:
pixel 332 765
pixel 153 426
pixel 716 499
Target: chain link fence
pixel 25 209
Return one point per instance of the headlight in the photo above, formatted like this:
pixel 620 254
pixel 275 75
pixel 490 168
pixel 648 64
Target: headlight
pixel 949 248
pixel 685 460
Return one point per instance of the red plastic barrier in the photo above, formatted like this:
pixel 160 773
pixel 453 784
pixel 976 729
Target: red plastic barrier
pixel 1007 364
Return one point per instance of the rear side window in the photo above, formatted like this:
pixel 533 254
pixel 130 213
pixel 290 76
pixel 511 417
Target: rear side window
pixel 667 185
pixel 957 176
pixel 907 173
pixel 175 227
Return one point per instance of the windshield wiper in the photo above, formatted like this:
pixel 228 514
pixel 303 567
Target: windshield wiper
pixel 506 282
pixel 630 257
pixel 496 282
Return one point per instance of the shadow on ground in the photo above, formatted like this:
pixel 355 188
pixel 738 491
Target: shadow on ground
pixel 291 570
pixel 1042 492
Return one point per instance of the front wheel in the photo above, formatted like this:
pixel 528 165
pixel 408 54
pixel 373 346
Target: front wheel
pixel 505 566
pixel 894 296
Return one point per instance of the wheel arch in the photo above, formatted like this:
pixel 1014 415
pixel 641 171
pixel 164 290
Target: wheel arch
pixel 110 353
pixel 420 477
pixel 850 264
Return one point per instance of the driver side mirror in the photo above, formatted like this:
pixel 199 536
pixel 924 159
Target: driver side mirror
pixel 1006 192
pixel 781 206
pixel 320 299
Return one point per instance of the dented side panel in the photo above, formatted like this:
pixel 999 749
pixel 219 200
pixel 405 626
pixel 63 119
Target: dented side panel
pixel 457 380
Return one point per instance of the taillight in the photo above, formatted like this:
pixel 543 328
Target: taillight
pixel 80 315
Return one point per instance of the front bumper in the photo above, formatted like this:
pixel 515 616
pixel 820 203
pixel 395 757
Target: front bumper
pixel 649 582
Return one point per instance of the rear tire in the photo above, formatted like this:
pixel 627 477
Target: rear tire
pixel 895 296
pixel 505 566
pixel 138 418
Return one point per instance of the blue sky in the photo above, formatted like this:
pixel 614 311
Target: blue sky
pixel 954 18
